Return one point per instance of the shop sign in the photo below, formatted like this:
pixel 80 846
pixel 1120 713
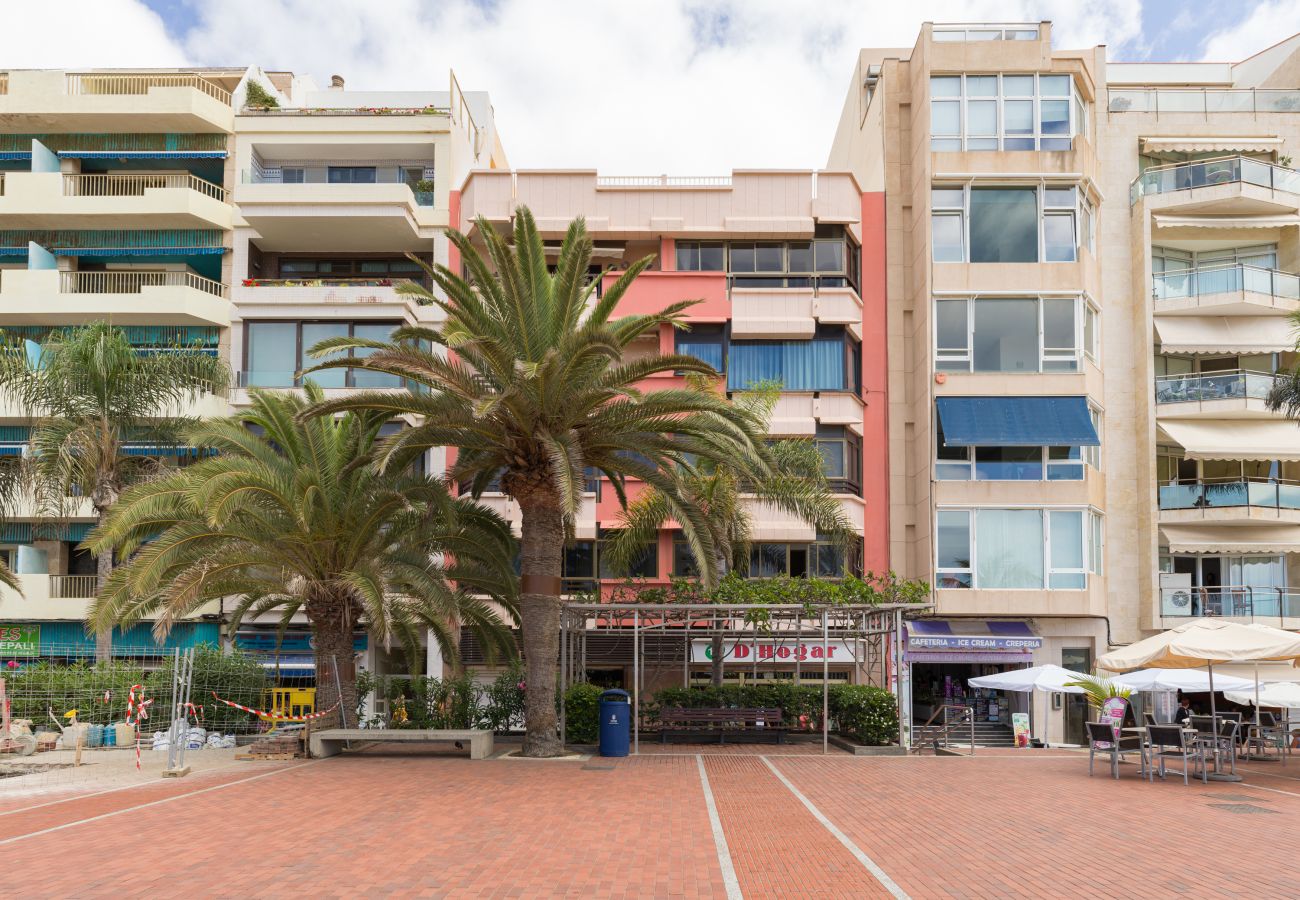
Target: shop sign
pixel 971 642
pixel 775 651
pixel 20 640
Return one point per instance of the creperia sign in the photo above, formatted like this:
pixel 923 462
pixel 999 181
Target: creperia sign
pixel 777 651
pixel 20 640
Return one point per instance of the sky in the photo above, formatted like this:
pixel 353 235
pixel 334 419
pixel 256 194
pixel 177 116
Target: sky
pixel 629 87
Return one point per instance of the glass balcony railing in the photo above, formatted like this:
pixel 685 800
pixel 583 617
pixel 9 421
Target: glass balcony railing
pixel 1182 285
pixel 1234 385
pixel 1224 494
pixel 329 379
pixel 1026 31
pixel 1239 602
pixel 1209 172
pixel 319 177
pixel 1203 100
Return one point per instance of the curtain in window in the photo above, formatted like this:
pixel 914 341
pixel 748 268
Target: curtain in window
pixel 816 365
pixel 705 347
pixel 1009 548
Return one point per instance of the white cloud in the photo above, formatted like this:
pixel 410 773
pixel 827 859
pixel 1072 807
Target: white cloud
pixel 85 34
pixel 1267 24
pixel 634 86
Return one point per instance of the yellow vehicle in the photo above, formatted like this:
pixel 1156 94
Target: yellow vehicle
pixel 283 701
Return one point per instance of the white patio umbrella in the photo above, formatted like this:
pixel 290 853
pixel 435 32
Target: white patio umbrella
pixel 1053 679
pixel 1285 694
pixel 1188 680
pixel 1204 642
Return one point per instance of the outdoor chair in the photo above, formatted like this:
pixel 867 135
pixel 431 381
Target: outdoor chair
pixel 1267 733
pixel 1172 742
pixel 1101 739
pixel 1222 742
pixel 1149 719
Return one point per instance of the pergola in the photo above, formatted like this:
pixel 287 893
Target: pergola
pixel 663 634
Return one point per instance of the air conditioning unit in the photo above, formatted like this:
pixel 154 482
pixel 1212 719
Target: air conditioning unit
pixel 1176 590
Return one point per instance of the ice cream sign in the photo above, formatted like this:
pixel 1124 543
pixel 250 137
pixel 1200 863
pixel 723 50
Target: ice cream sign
pixel 775 651
pixel 971 642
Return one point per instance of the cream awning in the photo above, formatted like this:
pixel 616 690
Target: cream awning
pixel 1211 144
pixel 1225 334
pixel 1231 538
pixel 1269 672
pixel 1279 221
pixel 1236 438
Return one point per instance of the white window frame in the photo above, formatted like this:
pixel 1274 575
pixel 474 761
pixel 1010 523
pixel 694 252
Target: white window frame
pixel 1092 453
pixel 1077 114
pixel 1078 353
pixel 1096 540
pixel 1076 213
pixel 1087 551
pixel 1046 462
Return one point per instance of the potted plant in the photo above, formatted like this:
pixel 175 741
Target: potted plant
pixel 258 97
pixel 423 190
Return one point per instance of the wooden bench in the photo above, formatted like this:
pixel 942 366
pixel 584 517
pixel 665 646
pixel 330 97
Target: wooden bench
pixel 739 724
pixel 330 741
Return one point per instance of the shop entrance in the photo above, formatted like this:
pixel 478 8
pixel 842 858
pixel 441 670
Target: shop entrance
pixel 938 684
pixel 1078 659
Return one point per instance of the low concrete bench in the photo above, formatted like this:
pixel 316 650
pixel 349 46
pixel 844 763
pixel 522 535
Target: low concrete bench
pixel 329 742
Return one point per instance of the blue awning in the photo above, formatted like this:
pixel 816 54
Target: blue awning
pixel 1016 422
pixel 143 154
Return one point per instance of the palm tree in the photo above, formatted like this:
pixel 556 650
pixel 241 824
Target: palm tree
pixel 90 394
pixel 291 517
pixel 534 390
pixel 794 484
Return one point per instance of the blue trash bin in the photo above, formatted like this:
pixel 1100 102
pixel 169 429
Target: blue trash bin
pixel 615 723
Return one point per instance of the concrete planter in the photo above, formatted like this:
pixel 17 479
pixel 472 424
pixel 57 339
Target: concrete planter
pixel 863 750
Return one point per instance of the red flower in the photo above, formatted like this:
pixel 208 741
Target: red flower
pixel 248 282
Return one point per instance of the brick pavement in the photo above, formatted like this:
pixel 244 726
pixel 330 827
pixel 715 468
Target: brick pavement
pixel 404 823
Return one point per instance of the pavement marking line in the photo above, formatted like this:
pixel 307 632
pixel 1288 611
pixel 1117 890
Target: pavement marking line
pixel 729 879
pixel 118 812
pixel 870 864
pixel 123 787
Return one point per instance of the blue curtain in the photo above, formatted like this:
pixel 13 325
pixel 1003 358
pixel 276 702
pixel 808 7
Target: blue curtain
pixel 704 347
pixel 816 365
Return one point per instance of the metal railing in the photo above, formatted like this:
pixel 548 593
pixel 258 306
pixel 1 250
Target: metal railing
pixel 1237 384
pixel 76 144
pixel 957 719
pixel 1184 176
pixel 122 185
pixel 1018 31
pixel 657 181
pixel 1230 601
pixel 345 111
pixel 334 282
pixel 73 587
pixel 1203 100
pixel 133 282
pixel 115 84
pixel 1227 278
pixel 1236 492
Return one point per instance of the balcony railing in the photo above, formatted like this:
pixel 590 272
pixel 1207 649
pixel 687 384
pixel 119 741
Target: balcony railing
pixel 330 379
pixel 136 185
pixel 1226 279
pixel 1209 172
pixel 1237 384
pixel 325 282
pixel 317 178
pixel 1203 100
pixel 1275 495
pixel 213 144
pixel 101 84
pixel 1021 31
pixel 128 282
pixel 73 587
pixel 658 181
pixel 345 111
pixel 1241 602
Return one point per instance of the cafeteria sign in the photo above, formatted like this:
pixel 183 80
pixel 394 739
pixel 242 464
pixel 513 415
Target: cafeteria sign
pixel 20 640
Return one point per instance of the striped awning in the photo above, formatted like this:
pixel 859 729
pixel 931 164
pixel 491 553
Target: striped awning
pixel 1280 221
pixel 1251 439
pixel 1224 334
pixel 1211 144
pixel 1271 539
pixel 142 154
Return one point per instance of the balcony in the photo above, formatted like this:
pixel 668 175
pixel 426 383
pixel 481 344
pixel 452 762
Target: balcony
pixel 385 213
pixel 1018 31
pixel 1231 290
pixel 155 201
pixel 1227 186
pixel 793 312
pixel 1204 101
pixel 1237 394
pixel 1276 606
pixel 1229 502
pixel 85 102
pixel 128 297
pixel 378 296
pixel 801 413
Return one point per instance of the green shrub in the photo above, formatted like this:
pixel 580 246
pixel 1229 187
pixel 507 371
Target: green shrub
pixel 503 700
pixel 867 714
pixel 801 704
pixel 36 689
pixel 259 97
pixel 424 186
pixel 581 713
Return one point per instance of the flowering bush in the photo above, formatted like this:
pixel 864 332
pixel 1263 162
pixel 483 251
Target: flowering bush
pixel 867 714
pixel 250 282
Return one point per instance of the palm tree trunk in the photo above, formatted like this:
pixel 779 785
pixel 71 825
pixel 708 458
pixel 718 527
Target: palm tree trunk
pixel 720 567
pixel 104 637
pixel 542 549
pixel 336 675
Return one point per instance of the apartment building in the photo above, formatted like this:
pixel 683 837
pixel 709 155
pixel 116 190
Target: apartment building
pixel 166 203
pixel 982 139
pixel 114 204
pixel 787 268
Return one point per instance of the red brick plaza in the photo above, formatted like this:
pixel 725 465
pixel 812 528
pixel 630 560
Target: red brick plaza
pixel 783 822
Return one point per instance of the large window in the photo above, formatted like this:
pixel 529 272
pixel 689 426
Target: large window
pixel 1005 112
pixel 706 343
pixel 841 452
pixel 1017 549
pixel 831 361
pixel 701 256
pixel 1014 334
pixel 275 352
pixel 1008 463
pixel 348 269
pixel 1009 223
pixel 829 259
pixel 767 559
